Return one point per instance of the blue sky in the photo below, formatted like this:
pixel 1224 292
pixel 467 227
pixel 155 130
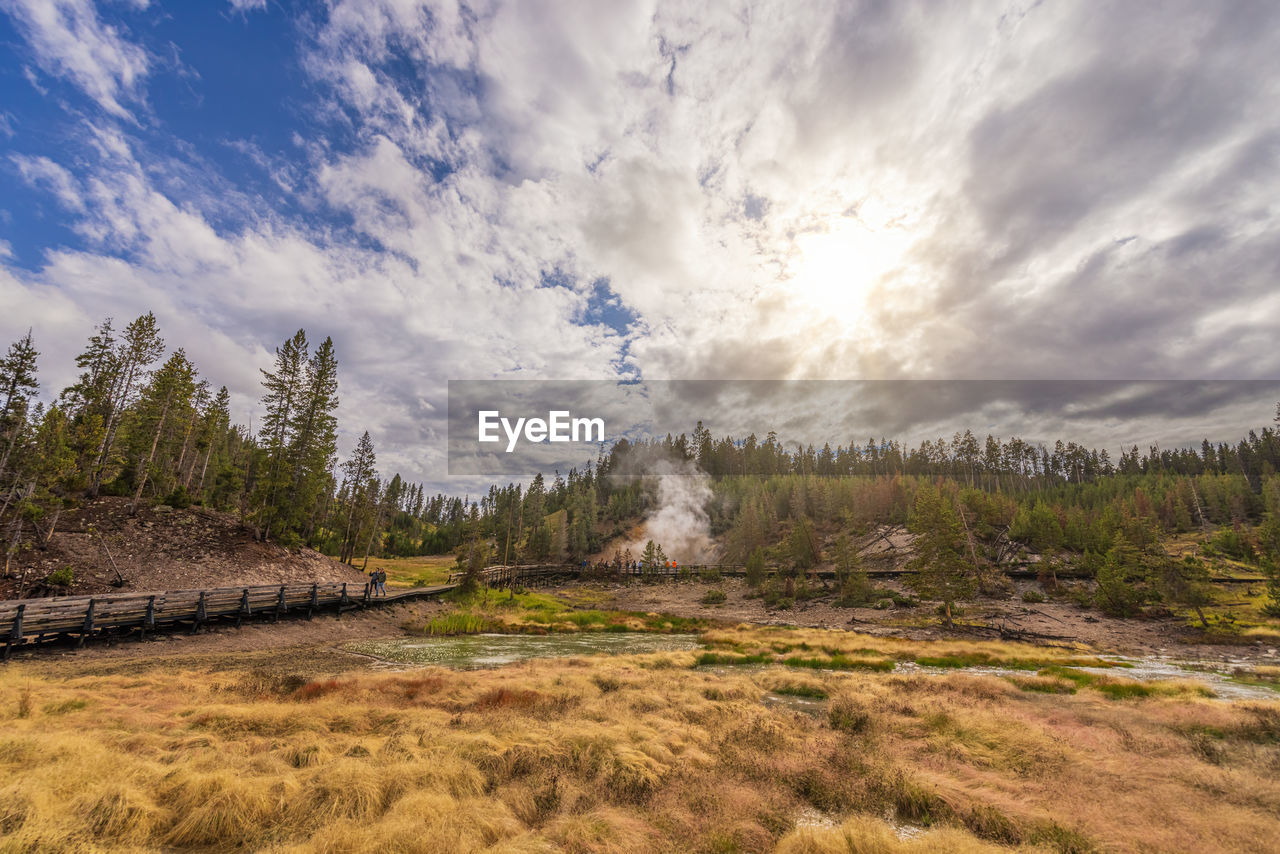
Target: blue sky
pixel 220 82
pixel 494 190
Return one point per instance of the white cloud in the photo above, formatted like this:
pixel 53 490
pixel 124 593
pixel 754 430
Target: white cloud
pixel 727 168
pixel 69 40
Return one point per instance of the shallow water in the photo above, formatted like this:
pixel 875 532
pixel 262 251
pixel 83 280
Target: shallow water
pixel 805 705
pixel 473 652
pixel 1151 669
pixel 1208 672
pixel 470 652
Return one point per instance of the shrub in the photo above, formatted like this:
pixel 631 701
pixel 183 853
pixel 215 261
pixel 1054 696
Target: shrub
pixel 1231 543
pixel 715 596
pixel 1034 597
pixel 850 715
pixel 855 591
pixel 61 577
pixel 606 683
pixel 179 499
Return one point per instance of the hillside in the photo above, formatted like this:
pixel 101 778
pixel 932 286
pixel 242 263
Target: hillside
pixel 160 548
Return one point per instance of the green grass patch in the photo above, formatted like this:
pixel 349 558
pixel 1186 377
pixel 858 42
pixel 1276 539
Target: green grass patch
pixel 665 623
pixel 841 662
pixel 1043 684
pixel 801 689
pixel 982 659
pixel 459 623
pixel 730 659
pixel 587 619
pixel 65 706
pixel 1125 689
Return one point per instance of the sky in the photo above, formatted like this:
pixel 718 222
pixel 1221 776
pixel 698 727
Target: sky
pixel 874 190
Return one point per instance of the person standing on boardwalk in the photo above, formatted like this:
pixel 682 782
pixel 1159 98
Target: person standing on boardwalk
pixel 381 582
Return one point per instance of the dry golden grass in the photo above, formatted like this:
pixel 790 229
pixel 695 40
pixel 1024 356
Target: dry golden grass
pixel 421 571
pixel 628 754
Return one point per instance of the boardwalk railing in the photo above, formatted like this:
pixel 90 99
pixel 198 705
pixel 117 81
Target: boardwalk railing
pixel 82 617
pixel 538 575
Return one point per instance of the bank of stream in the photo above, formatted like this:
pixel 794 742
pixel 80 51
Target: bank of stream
pixel 481 651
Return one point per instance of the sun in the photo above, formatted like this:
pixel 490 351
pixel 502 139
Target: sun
pixel 837 269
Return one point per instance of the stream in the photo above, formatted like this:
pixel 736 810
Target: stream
pixel 476 652
pixel 471 652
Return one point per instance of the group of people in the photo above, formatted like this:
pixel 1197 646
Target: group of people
pixel 377 582
pixel 629 565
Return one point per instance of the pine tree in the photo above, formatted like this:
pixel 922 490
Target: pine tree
pixel 283 390
pixel 755 569
pixel 939 568
pixel 1184 582
pixel 140 347
pixel 18 384
pixel 99 365
pixel 53 471
pixel 1269 538
pixel 653 556
pixel 855 585
pixel 1122 579
pixel 166 403
pixel 359 471
pixel 314 437
pixel 804 544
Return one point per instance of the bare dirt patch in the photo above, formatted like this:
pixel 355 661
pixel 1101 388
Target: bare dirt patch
pixel 158 549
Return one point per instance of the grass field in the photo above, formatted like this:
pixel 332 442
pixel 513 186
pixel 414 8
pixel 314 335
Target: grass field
pixel 643 753
pixel 424 571
pixel 540 613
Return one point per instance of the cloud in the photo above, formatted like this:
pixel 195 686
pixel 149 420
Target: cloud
pixel 69 40
pixel 834 190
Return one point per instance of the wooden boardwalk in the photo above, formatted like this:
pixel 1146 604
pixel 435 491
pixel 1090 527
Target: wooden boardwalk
pixel 81 617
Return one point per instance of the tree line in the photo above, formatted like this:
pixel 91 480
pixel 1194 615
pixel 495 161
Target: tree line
pixel 141 422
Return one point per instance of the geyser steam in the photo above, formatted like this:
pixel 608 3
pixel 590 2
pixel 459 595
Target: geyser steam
pixel 680 525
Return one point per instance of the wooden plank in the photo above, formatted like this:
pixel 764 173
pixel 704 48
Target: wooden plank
pixel 15 632
pixel 87 629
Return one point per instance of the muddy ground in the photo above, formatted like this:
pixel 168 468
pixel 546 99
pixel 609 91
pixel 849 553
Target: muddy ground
pixel 1052 623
